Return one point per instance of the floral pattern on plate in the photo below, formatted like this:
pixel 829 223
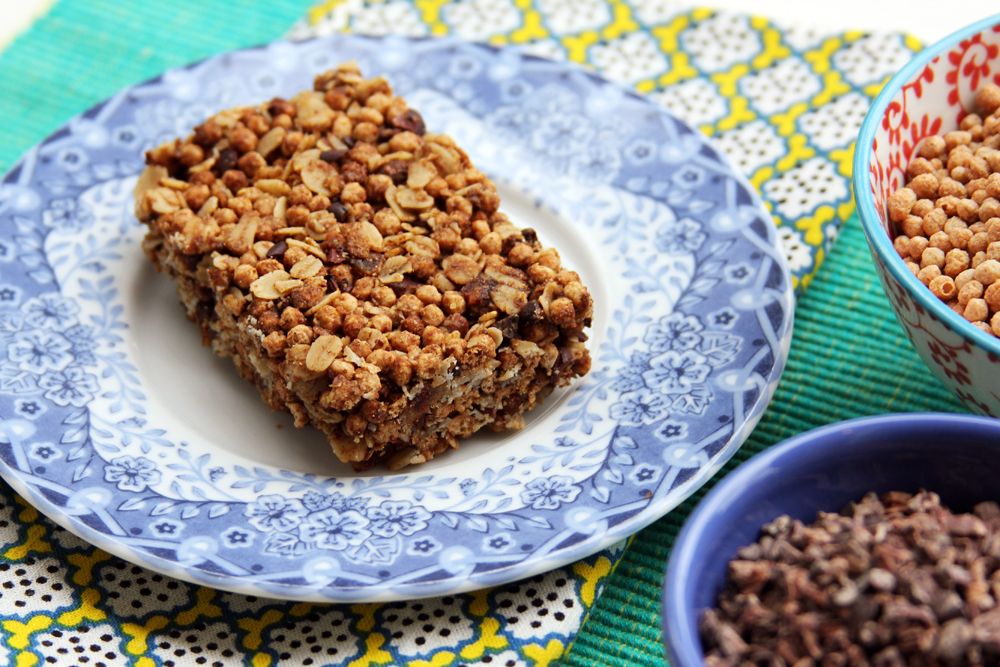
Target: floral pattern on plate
pixel 689 338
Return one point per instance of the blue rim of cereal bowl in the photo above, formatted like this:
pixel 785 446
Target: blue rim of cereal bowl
pixel 865 203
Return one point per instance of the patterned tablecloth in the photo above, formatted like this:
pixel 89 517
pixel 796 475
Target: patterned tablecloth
pixel 782 103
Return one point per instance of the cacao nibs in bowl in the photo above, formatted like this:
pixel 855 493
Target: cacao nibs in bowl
pixel 891 581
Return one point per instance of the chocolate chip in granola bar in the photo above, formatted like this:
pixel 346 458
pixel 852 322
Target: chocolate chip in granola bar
pixel 410 121
pixel 456 322
pixel 333 154
pixel 368 265
pixel 508 326
pixel 192 261
pixel 406 286
pixel 336 255
pixel 343 284
pixel 279 106
pixel 508 243
pixel 477 294
pixel 226 161
pixel 278 249
pixel 397 170
pixel 531 313
pixel 387 133
pixel 530 236
pixel 339 212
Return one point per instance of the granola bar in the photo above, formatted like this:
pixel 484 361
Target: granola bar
pixel 358 271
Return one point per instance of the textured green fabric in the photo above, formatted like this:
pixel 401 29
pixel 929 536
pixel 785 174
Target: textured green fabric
pixel 849 358
pixel 71 50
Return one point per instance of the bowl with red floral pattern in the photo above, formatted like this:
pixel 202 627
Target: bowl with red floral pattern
pixel 931 96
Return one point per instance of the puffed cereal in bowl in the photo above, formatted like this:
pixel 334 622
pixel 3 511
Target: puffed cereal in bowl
pixel 926 188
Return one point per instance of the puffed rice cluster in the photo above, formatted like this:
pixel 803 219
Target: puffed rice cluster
pixel 359 272
pixel 947 217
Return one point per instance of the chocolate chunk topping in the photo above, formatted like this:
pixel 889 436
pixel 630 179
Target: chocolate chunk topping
pixel 278 249
pixel 336 256
pixel 333 154
pixel 339 211
pixel 508 326
pixel 397 170
pixel 227 160
pixel 410 121
pixel 531 313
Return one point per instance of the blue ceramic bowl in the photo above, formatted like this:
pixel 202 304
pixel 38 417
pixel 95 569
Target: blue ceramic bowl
pixel 955 456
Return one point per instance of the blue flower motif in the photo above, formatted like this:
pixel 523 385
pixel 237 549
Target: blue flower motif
pixel 645 473
pixel 640 152
pixel 641 407
pixel 216 473
pixel 62 214
pixel 548 493
pixel 330 529
pixel 513 121
pixel 688 177
pixel 126 136
pixel 738 273
pixel 29 408
pixel 676 373
pixel 45 452
pixel 464 67
pixel 73 386
pixel 499 543
pixel 50 311
pixel 562 135
pixel 671 430
pixel 597 164
pixel 514 91
pixel 423 547
pixel 566 442
pixel 680 236
pixel 724 319
pixel 275 513
pixel 392 518
pixel 40 351
pixel 676 331
pixel 236 538
pixel 72 159
pixel 131 474
pixel 6 252
pixel 167 527
pixel 630 377
pixel 467 486
pixel 8 295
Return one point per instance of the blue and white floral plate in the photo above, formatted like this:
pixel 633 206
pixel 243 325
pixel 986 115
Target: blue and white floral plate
pixel 118 425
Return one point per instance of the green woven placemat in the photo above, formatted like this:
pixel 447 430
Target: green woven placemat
pixel 72 51
pixel 849 358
